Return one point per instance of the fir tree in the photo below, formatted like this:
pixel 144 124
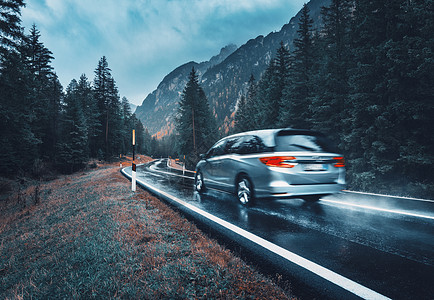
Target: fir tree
pixel 11 33
pixel 18 144
pixel 330 106
pixel 244 116
pixel 195 125
pixel 73 148
pixel 91 114
pixel 46 91
pixel 294 108
pixel 241 117
pixel 107 99
pixel 271 87
pixel 268 98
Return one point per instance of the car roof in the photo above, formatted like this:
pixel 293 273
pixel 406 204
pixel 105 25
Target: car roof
pixel 268 135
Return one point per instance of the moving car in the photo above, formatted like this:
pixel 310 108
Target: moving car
pixel 276 163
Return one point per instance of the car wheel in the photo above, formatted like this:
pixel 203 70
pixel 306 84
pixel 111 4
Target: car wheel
pixel 199 186
pixel 312 198
pixel 244 191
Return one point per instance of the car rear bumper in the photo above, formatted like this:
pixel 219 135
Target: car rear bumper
pixel 286 190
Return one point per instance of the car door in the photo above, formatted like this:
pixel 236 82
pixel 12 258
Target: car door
pixel 226 169
pixel 213 163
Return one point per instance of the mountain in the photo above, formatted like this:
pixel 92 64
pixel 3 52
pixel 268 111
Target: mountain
pixel 158 108
pixel 224 77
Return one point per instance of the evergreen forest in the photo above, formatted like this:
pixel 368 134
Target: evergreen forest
pixel 44 128
pixel 365 79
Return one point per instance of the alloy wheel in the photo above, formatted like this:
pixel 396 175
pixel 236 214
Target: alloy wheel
pixel 244 191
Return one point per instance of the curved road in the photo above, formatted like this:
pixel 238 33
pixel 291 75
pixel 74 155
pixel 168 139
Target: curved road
pixel 366 246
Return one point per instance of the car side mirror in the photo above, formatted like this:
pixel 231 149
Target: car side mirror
pixel 202 156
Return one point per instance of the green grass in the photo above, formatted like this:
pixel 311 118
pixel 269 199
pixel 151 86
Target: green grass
pixel 91 237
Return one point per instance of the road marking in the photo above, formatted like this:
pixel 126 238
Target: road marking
pixel 327 274
pixel 347 191
pixel 400 212
pixel 389 196
pixel 342 203
pixel 169 173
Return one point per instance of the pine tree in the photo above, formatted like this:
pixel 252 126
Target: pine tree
pixel 195 125
pixel 46 92
pixel 244 120
pixel 100 87
pixel 271 87
pixel 114 136
pixel 297 94
pixel 11 33
pixel 72 151
pixel 266 101
pixel 18 144
pixel 330 107
pixel 127 124
pixel 241 116
pixel 91 114
pixel 107 98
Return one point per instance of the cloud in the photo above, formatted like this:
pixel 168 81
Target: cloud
pixel 146 39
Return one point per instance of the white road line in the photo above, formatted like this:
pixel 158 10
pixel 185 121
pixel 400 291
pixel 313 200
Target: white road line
pixel 169 173
pixel 343 203
pixel 400 212
pixel 389 196
pixel 356 192
pixel 327 274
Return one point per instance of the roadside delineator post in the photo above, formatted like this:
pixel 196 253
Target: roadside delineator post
pixel 133 179
pixel 183 167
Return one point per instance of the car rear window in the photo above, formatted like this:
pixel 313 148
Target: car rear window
pixel 303 141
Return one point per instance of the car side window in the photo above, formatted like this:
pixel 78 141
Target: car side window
pixel 217 150
pixel 236 146
pixel 248 144
pixel 231 145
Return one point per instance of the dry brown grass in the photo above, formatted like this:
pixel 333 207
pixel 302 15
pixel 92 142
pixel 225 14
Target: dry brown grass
pixel 91 237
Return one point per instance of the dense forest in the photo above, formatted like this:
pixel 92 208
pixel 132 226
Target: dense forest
pixel 43 127
pixel 366 79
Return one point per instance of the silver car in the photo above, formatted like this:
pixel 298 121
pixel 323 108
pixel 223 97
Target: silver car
pixel 276 163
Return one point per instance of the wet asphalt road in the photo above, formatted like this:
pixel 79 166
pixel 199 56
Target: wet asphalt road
pixel 385 244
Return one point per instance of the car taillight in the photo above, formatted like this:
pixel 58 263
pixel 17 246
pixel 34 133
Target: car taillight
pixel 340 162
pixel 279 161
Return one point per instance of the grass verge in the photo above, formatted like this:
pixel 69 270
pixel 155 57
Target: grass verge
pixel 89 236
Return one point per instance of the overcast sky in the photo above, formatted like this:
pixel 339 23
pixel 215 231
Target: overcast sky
pixel 144 40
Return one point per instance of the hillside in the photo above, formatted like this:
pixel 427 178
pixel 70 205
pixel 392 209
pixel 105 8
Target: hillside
pixel 223 81
pixel 156 111
pixel 89 236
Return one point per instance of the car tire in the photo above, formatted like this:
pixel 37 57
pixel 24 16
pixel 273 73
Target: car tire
pixel 312 198
pixel 244 191
pixel 199 185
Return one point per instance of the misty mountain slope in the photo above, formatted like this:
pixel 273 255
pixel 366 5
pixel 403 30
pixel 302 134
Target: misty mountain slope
pixel 158 108
pixel 224 78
